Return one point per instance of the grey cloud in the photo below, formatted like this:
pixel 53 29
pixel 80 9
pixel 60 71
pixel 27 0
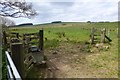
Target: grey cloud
pixel 119 10
pixel 53 10
pixel 61 0
pixel 72 11
pixel 82 13
pixel 62 4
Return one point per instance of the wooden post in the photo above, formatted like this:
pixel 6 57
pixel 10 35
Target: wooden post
pixel 103 32
pixel 92 35
pixel 18 57
pixel 23 40
pixel 17 35
pixel 41 41
pixel 4 38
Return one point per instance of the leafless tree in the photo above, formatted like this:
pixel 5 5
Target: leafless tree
pixel 16 9
pixel 6 21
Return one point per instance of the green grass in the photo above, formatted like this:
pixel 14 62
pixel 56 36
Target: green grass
pixel 80 32
pixel 74 32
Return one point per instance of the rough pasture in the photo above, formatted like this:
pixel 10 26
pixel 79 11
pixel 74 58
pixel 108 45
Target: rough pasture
pixel 68 47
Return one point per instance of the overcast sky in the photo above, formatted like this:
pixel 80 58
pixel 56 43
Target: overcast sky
pixel 72 11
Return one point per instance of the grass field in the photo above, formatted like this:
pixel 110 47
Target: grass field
pixel 85 60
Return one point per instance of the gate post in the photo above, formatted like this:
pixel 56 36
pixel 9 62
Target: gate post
pixel 92 35
pixel 18 57
pixel 41 41
pixel 4 38
pixel 17 35
pixel 103 32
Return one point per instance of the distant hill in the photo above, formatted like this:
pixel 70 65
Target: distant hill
pixel 56 22
pixel 69 24
pixel 25 24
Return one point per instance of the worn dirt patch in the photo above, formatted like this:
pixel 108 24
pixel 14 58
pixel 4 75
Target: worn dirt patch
pixel 70 61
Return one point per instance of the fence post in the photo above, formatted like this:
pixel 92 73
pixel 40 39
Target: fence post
pixel 92 35
pixel 17 35
pixel 4 38
pixel 103 32
pixel 41 41
pixel 18 57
